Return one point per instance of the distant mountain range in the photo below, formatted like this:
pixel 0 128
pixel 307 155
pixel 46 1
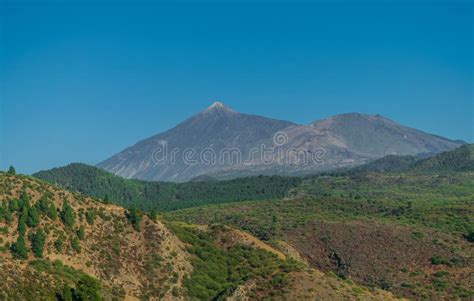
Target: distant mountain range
pixel 222 143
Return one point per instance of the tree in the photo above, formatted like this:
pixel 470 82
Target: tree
pixel 81 232
pixel 5 213
pixel 67 214
pixel 24 200
pixel 13 206
pixel 66 294
pixel 22 221
pixel 90 216
pixel 37 243
pixel 33 217
pixel 18 249
pixel 152 214
pixel 135 218
pixel 51 212
pixel 11 170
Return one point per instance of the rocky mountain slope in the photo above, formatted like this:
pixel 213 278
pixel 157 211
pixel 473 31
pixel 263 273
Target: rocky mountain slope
pixel 223 143
pixel 217 128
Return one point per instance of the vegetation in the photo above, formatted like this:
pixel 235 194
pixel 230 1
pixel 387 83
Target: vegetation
pixel 37 240
pixel 218 272
pixel 67 214
pixel 346 213
pixel 19 249
pixel 11 170
pixel 135 218
pixel 163 196
pixel 460 159
pixel 409 232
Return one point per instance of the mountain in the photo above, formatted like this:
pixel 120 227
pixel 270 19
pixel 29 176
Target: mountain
pixel 222 143
pixel 217 128
pixel 58 245
pixel 165 196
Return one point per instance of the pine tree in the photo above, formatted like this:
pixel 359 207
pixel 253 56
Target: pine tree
pixel 11 170
pixel 51 212
pixel 22 221
pixel 67 214
pixel 81 232
pixel 13 206
pixel 58 244
pixel 33 217
pixel 37 243
pixel 7 215
pixel 24 200
pixel 135 218
pixel 42 205
pixel 18 249
pixel 153 214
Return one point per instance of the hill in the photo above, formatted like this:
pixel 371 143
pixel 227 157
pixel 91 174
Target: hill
pixel 81 246
pixel 460 159
pixel 408 233
pixel 165 196
pixel 224 144
pixel 58 245
pixel 390 163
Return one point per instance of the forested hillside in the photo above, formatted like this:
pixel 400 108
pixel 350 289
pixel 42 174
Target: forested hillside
pixel 58 245
pixel 408 233
pixel 460 159
pixel 165 196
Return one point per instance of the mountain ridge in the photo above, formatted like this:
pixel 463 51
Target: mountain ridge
pixel 222 142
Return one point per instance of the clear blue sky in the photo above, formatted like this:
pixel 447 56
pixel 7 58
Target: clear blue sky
pixel 81 82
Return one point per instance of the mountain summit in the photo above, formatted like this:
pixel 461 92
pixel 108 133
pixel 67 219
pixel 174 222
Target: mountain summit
pixel 218 106
pixel 193 147
pixel 224 143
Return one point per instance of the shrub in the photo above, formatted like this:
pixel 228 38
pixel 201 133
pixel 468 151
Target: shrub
pixel 75 245
pixel 90 216
pixel 437 260
pixel 58 244
pixel 87 288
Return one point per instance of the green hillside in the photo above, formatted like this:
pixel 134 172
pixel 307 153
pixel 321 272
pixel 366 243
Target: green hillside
pixel 408 233
pixel 460 159
pixel 165 196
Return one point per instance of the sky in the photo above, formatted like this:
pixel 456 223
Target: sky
pixel 81 80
